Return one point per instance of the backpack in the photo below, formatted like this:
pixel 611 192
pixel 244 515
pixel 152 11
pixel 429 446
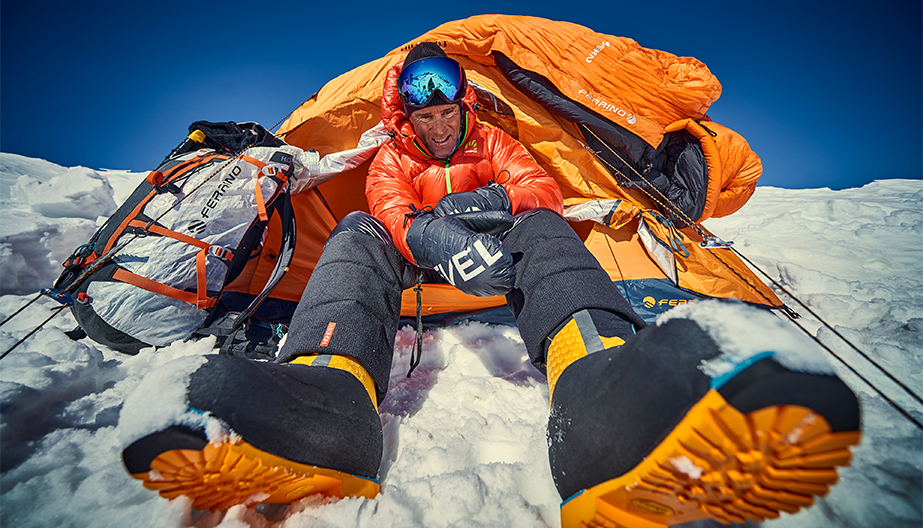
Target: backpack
pixel 155 271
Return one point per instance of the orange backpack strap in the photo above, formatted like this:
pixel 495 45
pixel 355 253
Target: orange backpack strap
pixel 265 170
pixel 158 230
pixel 200 299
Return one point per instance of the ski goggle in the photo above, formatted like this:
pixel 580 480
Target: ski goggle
pixel 420 80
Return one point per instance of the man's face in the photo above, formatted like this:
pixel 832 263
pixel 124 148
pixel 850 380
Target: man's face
pixel 438 126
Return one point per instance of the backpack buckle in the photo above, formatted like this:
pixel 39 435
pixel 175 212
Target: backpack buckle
pixel 79 258
pixel 221 253
pixel 161 185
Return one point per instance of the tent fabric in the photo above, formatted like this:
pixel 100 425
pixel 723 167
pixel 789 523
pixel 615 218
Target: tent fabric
pixel 555 87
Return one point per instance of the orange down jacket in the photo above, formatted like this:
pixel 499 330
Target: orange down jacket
pixel 403 174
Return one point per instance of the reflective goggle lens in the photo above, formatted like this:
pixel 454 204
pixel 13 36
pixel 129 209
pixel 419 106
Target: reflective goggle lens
pixel 419 80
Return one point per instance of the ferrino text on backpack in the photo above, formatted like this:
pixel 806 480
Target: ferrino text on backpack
pixel 155 272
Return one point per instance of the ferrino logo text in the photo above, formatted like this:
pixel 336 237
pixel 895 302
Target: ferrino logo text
pixel 629 117
pixel 650 302
pixel 219 192
pixel 603 45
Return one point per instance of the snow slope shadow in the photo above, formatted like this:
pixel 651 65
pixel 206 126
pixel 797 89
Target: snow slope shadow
pixel 503 357
pixel 44 387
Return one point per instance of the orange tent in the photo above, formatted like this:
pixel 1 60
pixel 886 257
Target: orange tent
pixel 601 114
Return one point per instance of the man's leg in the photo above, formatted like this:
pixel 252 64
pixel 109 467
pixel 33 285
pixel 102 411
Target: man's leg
pixel 352 304
pixel 639 435
pixel 243 431
pixel 560 285
pixel 565 304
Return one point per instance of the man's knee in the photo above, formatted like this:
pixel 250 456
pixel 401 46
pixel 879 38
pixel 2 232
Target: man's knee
pixel 364 223
pixel 361 237
pixel 532 227
pixel 541 216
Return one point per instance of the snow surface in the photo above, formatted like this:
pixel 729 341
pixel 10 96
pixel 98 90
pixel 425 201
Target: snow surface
pixel 465 436
pixel 744 333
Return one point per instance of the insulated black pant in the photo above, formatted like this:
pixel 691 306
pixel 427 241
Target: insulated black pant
pixel 351 305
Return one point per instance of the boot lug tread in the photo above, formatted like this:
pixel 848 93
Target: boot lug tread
pixel 225 474
pixel 721 464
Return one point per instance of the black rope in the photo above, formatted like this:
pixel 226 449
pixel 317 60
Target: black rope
pixel 863 378
pixel 669 205
pixel 37 297
pixel 417 353
pixel 56 310
pixel 286 117
pixel 665 203
pixel 835 332
pixel 784 308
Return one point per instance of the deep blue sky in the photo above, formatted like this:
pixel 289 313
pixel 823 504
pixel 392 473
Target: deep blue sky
pixel 829 94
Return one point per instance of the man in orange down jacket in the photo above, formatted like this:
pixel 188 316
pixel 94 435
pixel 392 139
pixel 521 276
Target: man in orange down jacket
pixel 461 202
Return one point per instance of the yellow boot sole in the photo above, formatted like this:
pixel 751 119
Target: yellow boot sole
pixel 721 464
pixel 223 475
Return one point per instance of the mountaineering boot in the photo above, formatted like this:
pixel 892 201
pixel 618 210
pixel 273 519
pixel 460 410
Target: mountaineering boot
pixel 584 333
pixel 670 427
pixel 225 430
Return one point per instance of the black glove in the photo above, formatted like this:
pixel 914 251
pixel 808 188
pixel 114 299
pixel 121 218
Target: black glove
pixel 491 197
pixel 464 250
